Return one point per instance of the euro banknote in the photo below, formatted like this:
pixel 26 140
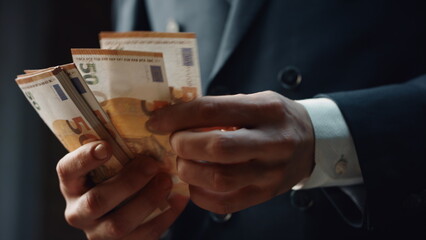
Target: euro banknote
pixel 81 86
pixel 180 57
pixel 110 93
pixel 54 97
pixel 129 85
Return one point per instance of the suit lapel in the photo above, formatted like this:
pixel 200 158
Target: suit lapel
pixel 240 17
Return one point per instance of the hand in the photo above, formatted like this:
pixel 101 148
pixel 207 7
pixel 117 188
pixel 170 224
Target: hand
pixel 227 171
pixel 94 208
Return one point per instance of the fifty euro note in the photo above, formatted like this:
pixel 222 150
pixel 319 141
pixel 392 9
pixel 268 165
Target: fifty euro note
pixel 54 97
pixel 129 85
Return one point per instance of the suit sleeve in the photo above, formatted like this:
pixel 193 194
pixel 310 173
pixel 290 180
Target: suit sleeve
pixel 388 126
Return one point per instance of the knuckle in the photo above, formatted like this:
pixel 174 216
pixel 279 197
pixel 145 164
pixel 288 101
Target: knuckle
pixel 81 163
pixel 221 146
pixel 115 229
pixel 206 109
pixel 288 143
pixel 62 171
pixel 270 95
pixel 267 100
pixel 290 140
pixel 221 182
pixel 182 172
pixel 179 147
pixel 72 162
pixel 271 104
pixel 275 105
pixel 72 217
pixel 92 203
pixel 83 159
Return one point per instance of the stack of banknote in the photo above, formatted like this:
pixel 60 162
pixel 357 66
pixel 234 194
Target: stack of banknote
pixel 109 93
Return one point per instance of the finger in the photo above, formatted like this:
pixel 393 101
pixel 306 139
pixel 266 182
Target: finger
pixel 73 168
pixel 155 228
pixel 108 195
pixel 219 177
pixel 127 218
pixel 224 203
pixel 236 110
pixel 226 147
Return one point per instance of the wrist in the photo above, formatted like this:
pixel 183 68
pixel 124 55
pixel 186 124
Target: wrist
pixel 308 146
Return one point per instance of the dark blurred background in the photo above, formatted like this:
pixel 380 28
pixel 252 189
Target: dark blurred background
pixel 37 34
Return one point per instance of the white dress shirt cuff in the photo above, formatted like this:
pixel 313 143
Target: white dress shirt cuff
pixel 336 161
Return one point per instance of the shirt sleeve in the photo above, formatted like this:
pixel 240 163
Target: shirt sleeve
pixel 336 161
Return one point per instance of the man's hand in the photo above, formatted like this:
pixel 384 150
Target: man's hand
pixel 271 150
pixel 94 208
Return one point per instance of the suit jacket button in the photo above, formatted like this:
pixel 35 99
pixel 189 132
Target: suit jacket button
pixel 290 77
pixel 301 199
pixel 220 218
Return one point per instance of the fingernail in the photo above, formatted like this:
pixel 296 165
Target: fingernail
pixel 100 152
pixel 151 124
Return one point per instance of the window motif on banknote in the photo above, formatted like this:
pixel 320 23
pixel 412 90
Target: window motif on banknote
pixel 187 57
pixel 60 92
pixel 157 75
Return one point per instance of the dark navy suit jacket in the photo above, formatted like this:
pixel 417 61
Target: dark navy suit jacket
pixel 370 58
